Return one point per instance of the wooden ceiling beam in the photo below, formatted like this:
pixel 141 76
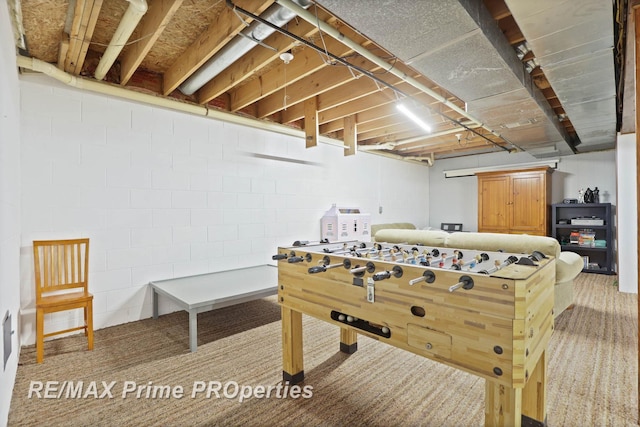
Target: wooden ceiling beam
pixel 362 87
pixel 498 9
pixel 376 112
pixel 358 89
pixel 384 122
pixel 511 30
pixel 390 131
pixel 150 28
pixel 391 137
pixel 323 80
pixel 85 17
pixel 226 26
pixel 306 62
pixel 359 105
pixel 363 117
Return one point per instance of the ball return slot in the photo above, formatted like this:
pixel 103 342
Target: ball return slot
pixel 365 325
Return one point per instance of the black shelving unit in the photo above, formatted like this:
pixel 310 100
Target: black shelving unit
pixel 600 258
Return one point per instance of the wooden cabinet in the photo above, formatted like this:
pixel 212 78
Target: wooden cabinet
pixel 515 202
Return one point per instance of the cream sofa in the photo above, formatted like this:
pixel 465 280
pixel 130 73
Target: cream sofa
pixel 568 264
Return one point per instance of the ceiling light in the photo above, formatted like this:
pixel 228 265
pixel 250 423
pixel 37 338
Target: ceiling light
pixel 286 56
pixel 413 117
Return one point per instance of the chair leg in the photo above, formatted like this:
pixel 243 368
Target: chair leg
pixel 39 335
pixel 86 322
pixel 89 322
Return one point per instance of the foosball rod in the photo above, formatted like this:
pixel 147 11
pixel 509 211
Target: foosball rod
pixel 510 260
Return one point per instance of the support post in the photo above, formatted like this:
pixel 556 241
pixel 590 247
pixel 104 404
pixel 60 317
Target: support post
pixel 311 122
pixel 350 136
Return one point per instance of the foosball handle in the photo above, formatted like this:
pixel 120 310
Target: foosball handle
pixel 396 271
pixel 295 259
pixel 465 282
pixel 427 276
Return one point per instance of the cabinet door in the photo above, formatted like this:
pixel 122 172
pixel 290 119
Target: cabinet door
pixel 528 208
pixel 493 204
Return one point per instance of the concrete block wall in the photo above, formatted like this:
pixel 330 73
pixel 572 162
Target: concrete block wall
pixel 165 194
pixel 9 211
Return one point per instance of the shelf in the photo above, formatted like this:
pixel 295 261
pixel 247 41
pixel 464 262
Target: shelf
pixel 598 271
pixel 573 248
pixel 602 256
pixel 582 227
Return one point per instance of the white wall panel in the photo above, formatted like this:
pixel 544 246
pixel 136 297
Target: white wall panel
pixel 627 210
pixel 10 204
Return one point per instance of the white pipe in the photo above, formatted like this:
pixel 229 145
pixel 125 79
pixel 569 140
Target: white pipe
pixel 333 32
pixel 372 147
pixel 129 22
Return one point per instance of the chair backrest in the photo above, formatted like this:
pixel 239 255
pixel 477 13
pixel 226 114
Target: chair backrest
pixel 60 265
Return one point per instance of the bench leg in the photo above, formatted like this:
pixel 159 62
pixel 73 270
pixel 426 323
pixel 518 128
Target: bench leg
pixel 193 330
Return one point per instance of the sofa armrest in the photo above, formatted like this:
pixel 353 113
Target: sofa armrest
pixel 568 266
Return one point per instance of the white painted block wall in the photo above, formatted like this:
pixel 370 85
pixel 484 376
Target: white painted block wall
pixel 627 214
pixel 164 194
pixel 9 208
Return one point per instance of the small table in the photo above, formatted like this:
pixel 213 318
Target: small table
pixel 204 292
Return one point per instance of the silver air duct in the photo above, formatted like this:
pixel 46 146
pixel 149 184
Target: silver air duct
pixel 252 35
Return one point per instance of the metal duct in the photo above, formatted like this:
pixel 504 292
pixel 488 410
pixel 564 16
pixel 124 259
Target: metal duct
pixel 573 43
pixel 240 45
pixel 458 45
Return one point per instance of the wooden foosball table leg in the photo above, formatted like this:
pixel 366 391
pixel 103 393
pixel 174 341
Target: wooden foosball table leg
pixel 348 340
pixel 534 394
pixel 505 406
pixel 292 360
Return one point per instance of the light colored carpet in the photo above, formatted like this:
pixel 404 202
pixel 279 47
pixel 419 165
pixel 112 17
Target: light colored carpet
pixel 592 372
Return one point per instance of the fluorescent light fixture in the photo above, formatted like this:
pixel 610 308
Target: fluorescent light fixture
pixel 553 163
pixel 413 117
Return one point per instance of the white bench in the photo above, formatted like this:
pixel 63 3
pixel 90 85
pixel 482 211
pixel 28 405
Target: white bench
pixel 205 292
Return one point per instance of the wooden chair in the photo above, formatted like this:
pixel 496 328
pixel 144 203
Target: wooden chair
pixel 61 272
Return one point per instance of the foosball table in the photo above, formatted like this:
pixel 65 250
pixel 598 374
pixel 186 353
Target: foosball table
pixel 486 313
